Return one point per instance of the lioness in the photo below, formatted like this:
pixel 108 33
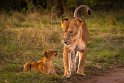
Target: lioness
pixel 44 65
pixel 75 34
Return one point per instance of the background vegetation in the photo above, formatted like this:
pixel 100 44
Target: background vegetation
pixel 59 6
pixel 28 27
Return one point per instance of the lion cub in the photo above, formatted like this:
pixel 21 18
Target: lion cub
pixel 44 65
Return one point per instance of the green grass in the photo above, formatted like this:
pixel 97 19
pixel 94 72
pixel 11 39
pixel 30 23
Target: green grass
pixel 10 73
pixel 23 37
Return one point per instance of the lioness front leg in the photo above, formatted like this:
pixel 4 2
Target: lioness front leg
pixel 67 72
pixel 80 69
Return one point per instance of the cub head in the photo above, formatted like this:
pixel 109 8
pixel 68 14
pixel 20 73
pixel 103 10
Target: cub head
pixel 50 54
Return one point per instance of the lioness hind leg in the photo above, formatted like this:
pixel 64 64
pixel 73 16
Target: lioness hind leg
pixel 80 69
pixel 73 62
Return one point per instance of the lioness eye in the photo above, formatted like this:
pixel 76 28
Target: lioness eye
pixel 71 32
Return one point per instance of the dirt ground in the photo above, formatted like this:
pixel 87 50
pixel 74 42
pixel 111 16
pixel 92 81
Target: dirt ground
pixel 115 75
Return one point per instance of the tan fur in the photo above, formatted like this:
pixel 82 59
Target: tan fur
pixel 44 65
pixel 75 35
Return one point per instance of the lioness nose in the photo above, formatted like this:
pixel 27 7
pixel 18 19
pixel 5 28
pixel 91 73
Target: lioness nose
pixel 65 41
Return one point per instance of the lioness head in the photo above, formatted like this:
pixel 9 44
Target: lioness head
pixel 50 54
pixel 71 28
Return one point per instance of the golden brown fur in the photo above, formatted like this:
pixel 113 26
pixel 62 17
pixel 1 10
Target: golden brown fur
pixel 44 65
pixel 75 35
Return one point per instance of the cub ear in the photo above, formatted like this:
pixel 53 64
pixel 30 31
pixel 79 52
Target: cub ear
pixel 64 23
pixel 45 54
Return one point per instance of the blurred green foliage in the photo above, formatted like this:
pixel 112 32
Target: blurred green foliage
pixel 60 5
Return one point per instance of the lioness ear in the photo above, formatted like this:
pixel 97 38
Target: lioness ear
pixel 64 23
pixel 80 22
